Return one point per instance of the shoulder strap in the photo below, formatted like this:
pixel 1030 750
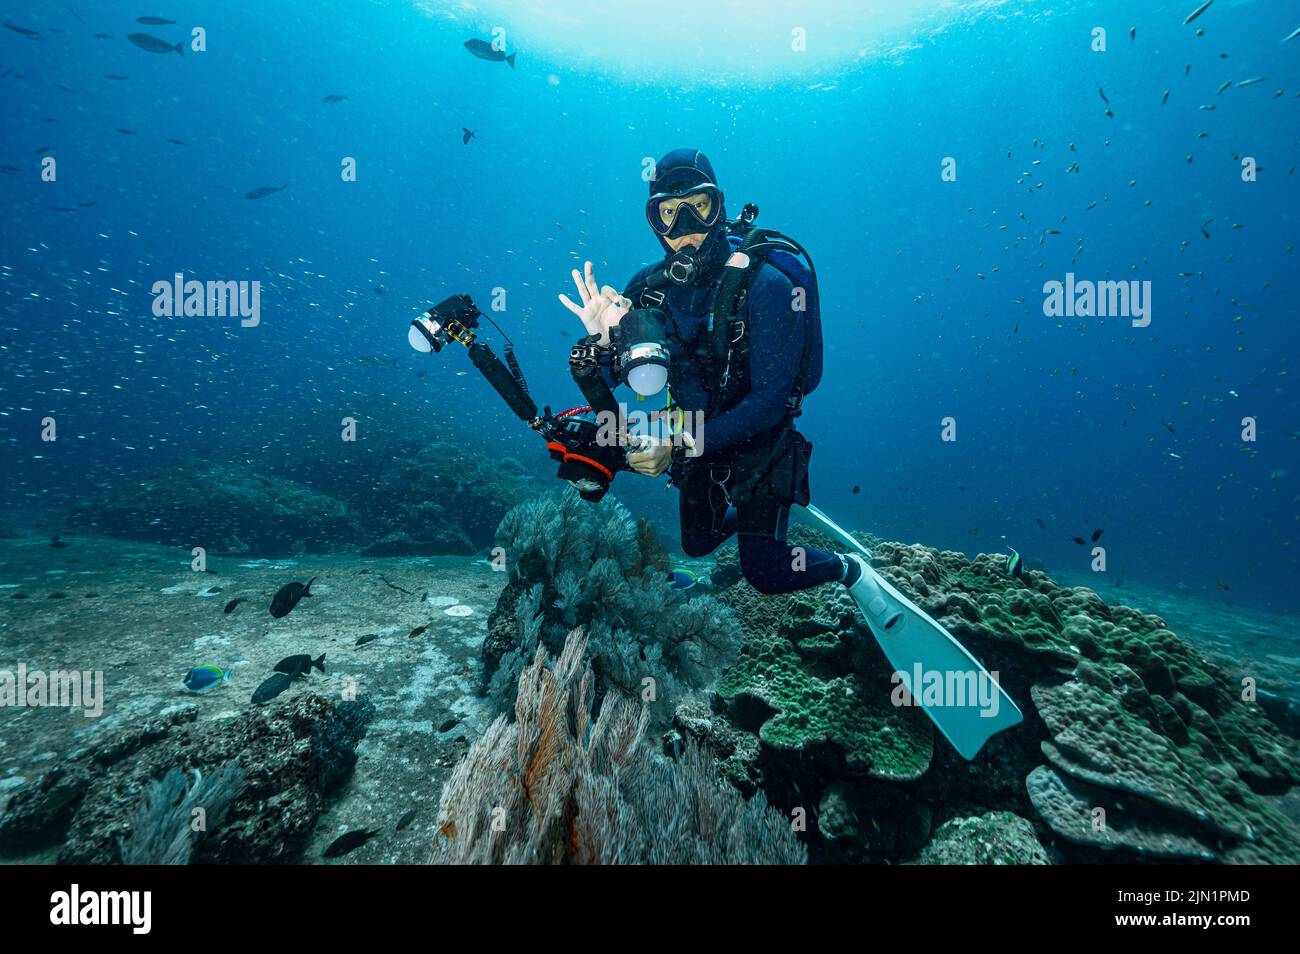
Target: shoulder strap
pixel 729 349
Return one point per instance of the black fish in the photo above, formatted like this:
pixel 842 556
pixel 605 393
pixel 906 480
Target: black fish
pixel 1096 535
pixel 57 543
pixel 295 666
pixel 154 21
pixel 263 191
pixel 1079 540
pixel 26 32
pixel 417 631
pixel 485 51
pixel 178 142
pixel 1102 93
pixel 368 638
pixel 288 596
pixel 127 132
pixel 271 688
pixel 335 98
pixel 349 842
pixel 857 489
pixel 10 169
pixel 467 134
pixel 405 821
pixel 116 76
pixel 230 607
pixel 151 44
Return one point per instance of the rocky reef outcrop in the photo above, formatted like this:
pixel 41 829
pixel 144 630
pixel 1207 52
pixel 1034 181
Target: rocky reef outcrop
pixel 269 774
pixel 224 509
pixel 437 498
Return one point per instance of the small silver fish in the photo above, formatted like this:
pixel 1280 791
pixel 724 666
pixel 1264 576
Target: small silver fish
pixel 1197 12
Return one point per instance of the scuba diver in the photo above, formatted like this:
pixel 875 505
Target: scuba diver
pixel 730 321
pixel 740 384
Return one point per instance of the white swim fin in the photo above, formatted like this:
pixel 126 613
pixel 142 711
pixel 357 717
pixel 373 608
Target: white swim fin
pixel 960 696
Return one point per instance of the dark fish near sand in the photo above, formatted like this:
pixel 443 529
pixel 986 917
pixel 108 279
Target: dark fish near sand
pixel 151 44
pixel 335 98
pixel 404 822
pixel 417 631
pixel 271 688
pixel 154 21
pixel 263 191
pixel 301 665
pixel 466 135
pixel 368 638
pixel 57 543
pixel 349 842
pixel 230 607
pixel 485 51
pixel 288 596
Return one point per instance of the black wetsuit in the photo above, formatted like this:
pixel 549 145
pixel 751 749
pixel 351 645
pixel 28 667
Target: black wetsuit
pixel 746 448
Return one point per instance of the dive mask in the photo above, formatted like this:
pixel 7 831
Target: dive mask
pixel 695 209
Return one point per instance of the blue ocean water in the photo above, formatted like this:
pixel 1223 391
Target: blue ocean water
pixel 932 290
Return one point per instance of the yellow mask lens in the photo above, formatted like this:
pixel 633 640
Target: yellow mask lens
pixel 701 202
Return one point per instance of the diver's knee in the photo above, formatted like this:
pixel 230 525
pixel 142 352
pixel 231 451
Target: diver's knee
pixel 698 545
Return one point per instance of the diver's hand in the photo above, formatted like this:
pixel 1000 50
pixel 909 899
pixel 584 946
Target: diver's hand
pixel 601 308
pixel 656 456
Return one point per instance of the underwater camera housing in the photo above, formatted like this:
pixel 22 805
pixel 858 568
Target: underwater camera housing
pixel 588 459
pixel 453 319
pixel 641 358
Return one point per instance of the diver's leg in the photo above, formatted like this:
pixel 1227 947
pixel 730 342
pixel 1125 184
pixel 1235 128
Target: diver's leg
pixel 706 519
pixel 769 563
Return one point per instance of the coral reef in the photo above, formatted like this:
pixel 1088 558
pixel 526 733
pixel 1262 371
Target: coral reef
pixel 573 563
pixel 290 757
pixel 1121 715
pixel 554 787
pixel 995 838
